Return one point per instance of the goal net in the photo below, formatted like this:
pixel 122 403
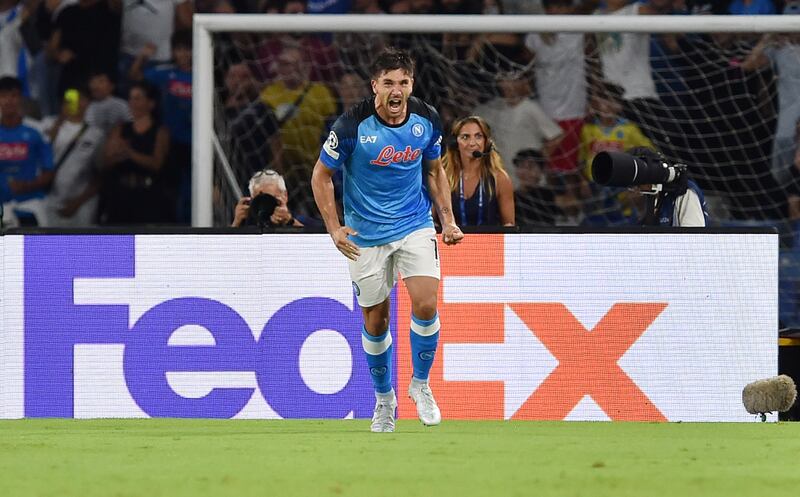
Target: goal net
pixel 717 93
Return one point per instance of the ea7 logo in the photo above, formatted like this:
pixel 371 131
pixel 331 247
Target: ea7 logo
pixel 368 139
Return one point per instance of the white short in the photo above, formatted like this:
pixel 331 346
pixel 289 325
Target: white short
pixel 375 272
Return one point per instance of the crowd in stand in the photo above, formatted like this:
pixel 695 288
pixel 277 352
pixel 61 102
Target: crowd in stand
pixel 102 132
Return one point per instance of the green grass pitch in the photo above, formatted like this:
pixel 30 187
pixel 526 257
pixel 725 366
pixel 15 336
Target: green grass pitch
pixel 192 458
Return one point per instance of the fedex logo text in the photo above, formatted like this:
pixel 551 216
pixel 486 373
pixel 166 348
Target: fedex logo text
pixel 530 360
pixel 54 325
pixel 535 326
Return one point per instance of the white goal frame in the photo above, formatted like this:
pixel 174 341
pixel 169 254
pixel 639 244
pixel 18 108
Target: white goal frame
pixel 206 24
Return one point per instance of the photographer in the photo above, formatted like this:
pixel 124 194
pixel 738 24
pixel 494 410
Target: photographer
pixel 266 205
pixel 672 198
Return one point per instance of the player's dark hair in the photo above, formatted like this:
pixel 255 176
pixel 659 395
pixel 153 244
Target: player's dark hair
pixel 10 83
pixel 390 59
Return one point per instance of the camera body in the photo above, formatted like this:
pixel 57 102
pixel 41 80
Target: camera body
pixel 262 207
pixel 640 167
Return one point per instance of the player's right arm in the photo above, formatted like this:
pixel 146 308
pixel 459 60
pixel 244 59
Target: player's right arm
pixel 322 185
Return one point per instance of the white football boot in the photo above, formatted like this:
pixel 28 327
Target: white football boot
pixel 384 415
pixel 428 411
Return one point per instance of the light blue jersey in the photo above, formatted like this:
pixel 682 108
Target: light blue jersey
pixel 24 154
pixel 385 182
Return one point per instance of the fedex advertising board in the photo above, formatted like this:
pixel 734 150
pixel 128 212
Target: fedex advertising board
pixel 651 327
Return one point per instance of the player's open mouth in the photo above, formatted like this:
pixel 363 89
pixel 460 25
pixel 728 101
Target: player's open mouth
pixel 395 104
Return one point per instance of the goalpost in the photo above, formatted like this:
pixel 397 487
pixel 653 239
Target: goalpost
pixel 206 144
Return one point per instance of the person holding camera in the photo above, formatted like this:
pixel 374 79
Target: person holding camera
pixel 672 198
pixel 266 205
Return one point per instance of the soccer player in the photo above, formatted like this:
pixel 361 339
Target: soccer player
pixel 389 147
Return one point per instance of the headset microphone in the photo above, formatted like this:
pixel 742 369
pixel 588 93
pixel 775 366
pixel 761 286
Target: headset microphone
pixel 479 155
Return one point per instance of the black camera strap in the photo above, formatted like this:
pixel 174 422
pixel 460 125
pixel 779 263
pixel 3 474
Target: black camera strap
pixel 71 146
pixel 295 106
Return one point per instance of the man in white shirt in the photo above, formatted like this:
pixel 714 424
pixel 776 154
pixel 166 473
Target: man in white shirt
pixel 625 58
pixel 148 25
pixel 11 17
pixel 783 52
pixel 518 122
pixel 72 200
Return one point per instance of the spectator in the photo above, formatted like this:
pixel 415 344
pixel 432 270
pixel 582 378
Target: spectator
pixel 86 39
pixel 366 7
pixel 253 136
pixel 26 160
pixel 44 70
pixel 14 55
pixel 264 184
pixel 751 7
pixel 174 82
pixel 328 6
pixel 516 7
pixel 460 6
pixel 422 7
pixel 400 7
pixel 72 201
pixel 783 51
pixel 106 110
pixel 350 90
pixel 149 23
pixel 301 107
pixel 135 153
pixel 519 121
pixel 357 49
pixel 480 189
pixel 535 203
pixel 707 7
pixel 561 84
pixel 322 57
pixel 607 131
pixel 625 57
pixel 625 61
pixel 731 126
pixel 794 185
pixel 240 89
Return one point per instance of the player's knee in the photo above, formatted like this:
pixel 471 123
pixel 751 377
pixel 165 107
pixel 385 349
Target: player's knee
pixel 376 325
pixel 425 308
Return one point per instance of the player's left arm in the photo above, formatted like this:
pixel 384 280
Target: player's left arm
pixel 439 190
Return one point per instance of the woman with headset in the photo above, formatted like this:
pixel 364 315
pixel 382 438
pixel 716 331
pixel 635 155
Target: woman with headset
pixel 481 189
